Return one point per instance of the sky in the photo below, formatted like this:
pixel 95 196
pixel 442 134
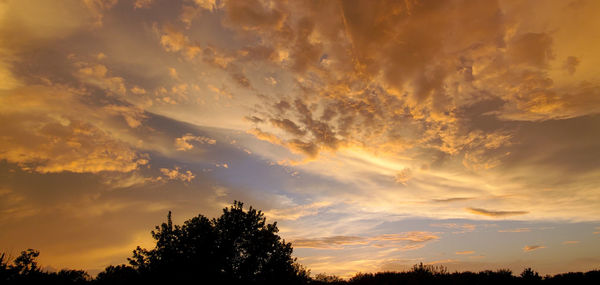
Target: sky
pixel 378 134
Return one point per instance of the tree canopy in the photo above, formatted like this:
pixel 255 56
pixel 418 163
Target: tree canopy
pixel 237 247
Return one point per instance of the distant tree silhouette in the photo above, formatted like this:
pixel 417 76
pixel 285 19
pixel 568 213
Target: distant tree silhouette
pixel 323 278
pixel 238 247
pixel 24 270
pixel 25 264
pixel 120 274
pixel 531 276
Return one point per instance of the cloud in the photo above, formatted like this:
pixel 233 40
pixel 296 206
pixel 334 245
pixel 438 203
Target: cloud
pixel 463 227
pixel 296 212
pixel 97 75
pixel 528 248
pixel 176 174
pixel 265 136
pixel 467 252
pixel 403 176
pixel 142 4
pixel 402 241
pixel 98 7
pixel 329 242
pixel 570 64
pixel 134 116
pixel 570 242
pixel 175 41
pixel 254 119
pixel 54 132
pixel 450 200
pixel 405 241
pixel 405 99
pixel 495 214
pixel 288 126
pixel 519 230
pixel 183 143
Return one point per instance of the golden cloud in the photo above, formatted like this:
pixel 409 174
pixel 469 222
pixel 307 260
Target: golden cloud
pixel 463 227
pixel 183 143
pixel 53 132
pixel 176 174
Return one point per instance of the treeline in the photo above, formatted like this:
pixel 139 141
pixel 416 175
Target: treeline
pixel 239 247
pixel 428 274
pixel 25 270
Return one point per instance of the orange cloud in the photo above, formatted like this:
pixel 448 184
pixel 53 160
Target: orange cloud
pixel 463 227
pixel 141 4
pixel 176 174
pixel 528 248
pixel 97 75
pixel 54 132
pixel 183 143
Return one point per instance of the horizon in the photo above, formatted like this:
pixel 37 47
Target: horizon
pixel 378 135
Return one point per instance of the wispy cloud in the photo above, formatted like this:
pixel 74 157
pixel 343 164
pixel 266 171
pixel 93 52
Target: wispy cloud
pixel 462 227
pixel 450 200
pixel 528 248
pixel 495 214
pixel 403 241
pixel 333 242
pixel 296 212
pixel 519 230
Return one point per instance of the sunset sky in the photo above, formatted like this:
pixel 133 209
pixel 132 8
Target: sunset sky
pixel 378 134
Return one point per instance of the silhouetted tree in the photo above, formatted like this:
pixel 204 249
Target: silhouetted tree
pixel 25 270
pixel 238 247
pixel 120 274
pixel 530 276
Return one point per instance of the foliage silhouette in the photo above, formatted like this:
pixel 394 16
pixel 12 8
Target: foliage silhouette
pixel 238 247
pixel 24 270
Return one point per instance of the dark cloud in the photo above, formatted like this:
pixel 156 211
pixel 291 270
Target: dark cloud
pixel 288 126
pixel 533 49
pixel 405 241
pixel 450 200
pixel 254 119
pixel 495 214
pixel 329 242
pixel 570 64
